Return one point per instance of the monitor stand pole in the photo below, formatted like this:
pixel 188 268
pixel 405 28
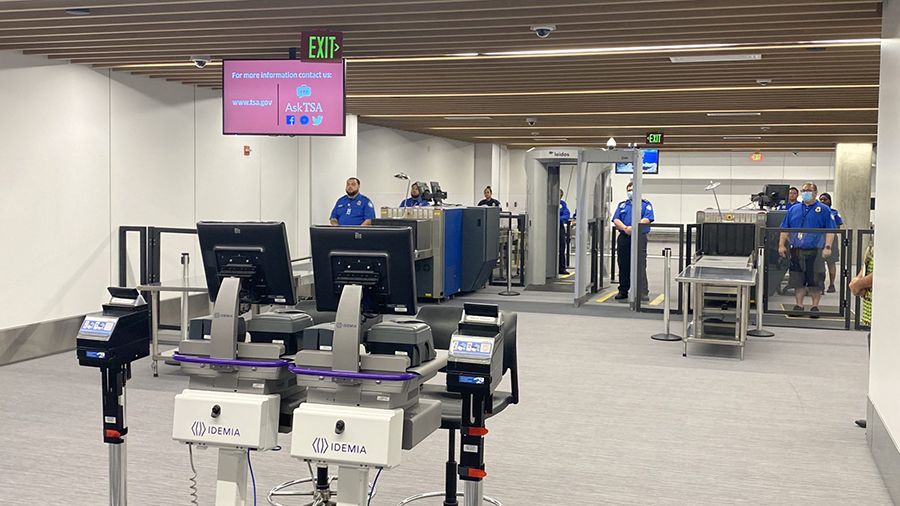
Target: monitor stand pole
pixel 345 351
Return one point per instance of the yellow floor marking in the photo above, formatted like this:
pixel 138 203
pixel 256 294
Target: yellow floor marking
pixel 606 296
pixel 657 301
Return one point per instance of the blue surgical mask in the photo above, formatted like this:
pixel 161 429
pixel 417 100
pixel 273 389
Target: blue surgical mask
pixel 806 196
pixel 630 195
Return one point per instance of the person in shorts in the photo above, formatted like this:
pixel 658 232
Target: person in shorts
pixel 832 260
pixel 807 249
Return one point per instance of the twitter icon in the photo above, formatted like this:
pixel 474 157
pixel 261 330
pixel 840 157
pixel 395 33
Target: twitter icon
pixel 317 120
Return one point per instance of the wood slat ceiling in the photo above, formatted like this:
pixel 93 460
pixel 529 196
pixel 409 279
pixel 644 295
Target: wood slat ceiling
pixel 400 74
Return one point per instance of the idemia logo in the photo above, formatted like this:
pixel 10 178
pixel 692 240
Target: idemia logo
pixel 200 429
pixel 321 446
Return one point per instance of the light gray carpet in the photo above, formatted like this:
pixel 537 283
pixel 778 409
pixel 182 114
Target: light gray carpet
pixel 607 417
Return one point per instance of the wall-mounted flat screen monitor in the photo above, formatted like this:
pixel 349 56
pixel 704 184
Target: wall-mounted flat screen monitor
pixel 651 163
pixel 282 97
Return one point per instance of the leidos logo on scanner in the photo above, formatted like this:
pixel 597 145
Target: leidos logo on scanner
pixel 321 446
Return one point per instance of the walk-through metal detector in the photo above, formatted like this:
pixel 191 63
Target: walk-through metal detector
pixel 593 167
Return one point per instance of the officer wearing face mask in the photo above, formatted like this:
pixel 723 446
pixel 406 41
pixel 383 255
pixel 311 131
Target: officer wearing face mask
pixel 807 249
pixel 622 221
pixel 353 209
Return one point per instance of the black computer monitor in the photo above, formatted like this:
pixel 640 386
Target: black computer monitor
pixel 380 259
pixel 777 194
pixel 255 252
pixel 437 195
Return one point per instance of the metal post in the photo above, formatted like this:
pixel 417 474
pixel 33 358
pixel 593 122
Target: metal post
pixel 474 493
pixel 667 335
pixel 185 296
pixel 509 292
pixel 760 292
pixel 118 495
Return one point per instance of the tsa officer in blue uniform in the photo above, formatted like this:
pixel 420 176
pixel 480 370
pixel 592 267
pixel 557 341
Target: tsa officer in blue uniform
pixel 564 216
pixel 832 260
pixel 622 221
pixel 807 250
pixel 793 193
pixel 415 199
pixel 353 209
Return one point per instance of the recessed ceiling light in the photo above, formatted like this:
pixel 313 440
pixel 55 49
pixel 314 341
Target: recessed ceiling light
pixel 707 58
pixel 735 113
pixel 81 11
pixel 461 118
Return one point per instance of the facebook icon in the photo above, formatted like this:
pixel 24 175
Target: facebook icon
pixel 291 119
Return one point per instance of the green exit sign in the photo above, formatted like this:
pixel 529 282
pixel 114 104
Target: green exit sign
pixel 655 138
pixel 322 46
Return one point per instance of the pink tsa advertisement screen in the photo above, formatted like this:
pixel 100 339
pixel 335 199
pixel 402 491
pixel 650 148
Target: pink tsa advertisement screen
pixel 282 97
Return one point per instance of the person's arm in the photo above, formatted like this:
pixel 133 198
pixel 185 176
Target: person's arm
pixel 369 214
pixel 334 215
pixel 617 221
pixel 861 284
pixel 783 238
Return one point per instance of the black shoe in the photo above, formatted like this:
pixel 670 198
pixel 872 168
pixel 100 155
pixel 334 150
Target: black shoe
pixel 645 298
pixel 831 289
pixel 861 423
pixel 621 296
pixel 815 312
pixel 563 272
pixel 797 311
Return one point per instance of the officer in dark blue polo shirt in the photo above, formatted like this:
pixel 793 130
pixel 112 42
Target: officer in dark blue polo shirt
pixel 622 221
pixel 793 193
pixel 564 216
pixel 415 198
pixel 807 269
pixel 353 209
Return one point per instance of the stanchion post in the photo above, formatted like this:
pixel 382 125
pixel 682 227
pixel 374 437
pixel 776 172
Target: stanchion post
pixel 185 301
pixel 759 331
pixel 509 292
pixel 667 289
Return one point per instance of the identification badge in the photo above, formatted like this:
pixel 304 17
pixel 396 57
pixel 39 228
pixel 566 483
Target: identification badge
pixel 800 236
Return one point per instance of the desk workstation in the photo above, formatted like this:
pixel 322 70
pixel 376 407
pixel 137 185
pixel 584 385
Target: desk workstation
pixel 351 391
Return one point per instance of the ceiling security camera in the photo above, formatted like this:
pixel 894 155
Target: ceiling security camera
pixel 611 143
pixel 531 121
pixel 543 31
pixel 763 82
pixel 200 61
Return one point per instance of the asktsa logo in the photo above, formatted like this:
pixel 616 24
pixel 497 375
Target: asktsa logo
pixel 198 429
pixel 320 445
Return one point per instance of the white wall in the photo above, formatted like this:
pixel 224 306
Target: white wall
pixel 54 188
pixel 117 150
pixel 677 191
pixel 384 152
pixel 884 375
pixel 332 160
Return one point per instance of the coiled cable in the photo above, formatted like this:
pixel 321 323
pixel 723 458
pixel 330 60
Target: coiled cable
pixel 193 479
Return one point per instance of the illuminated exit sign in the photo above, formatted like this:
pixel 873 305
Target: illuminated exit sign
pixel 655 138
pixel 322 46
pixel 756 157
